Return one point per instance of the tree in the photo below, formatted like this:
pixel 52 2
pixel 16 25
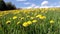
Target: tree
pixel 3 5
pixel 6 6
pixel 10 6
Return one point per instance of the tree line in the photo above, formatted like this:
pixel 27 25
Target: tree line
pixel 6 6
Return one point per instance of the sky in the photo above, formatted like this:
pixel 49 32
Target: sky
pixel 34 3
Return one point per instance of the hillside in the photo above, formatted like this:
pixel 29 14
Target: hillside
pixel 30 21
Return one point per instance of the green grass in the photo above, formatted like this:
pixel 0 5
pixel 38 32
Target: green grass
pixel 40 27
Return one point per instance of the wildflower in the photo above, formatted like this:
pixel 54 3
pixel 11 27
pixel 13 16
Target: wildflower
pixel 38 15
pixel 18 22
pixel 29 22
pixel 34 21
pixel 25 24
pixel 8 22
pixel 42 17
pixel 14 17
pixel 51 21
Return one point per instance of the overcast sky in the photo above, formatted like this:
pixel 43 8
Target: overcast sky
pixel 34 3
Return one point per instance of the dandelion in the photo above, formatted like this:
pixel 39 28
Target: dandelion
pixel 14 17
pixel 8 22
pixel 51 21
pixel 25 24
pixel 34 21
pixel 38 15
pixel 29 22
pixel 18 22
pixel 42 17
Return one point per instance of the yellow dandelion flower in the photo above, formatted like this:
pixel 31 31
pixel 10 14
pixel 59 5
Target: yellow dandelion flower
pixel 34 21
pixel 8 22
pixel 14 17
pixel 38 15
pixel 18 22
pixel 25 24
pixel 51 21
pixel 42 17
pixel 29 22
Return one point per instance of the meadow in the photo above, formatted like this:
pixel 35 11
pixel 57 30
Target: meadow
pixel 30 21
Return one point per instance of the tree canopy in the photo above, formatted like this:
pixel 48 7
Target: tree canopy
pixel 6 6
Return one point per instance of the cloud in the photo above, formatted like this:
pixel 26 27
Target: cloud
pixel 32 6
pixel 44 3
pixel 21 0
pixel 59 2
pixel 40 7
pixel 37 6
pixel 54 4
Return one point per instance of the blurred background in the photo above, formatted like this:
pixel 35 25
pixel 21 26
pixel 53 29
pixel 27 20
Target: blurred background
pixel 18 4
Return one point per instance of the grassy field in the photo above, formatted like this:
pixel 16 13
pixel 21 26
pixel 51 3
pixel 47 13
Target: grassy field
pixel 30 21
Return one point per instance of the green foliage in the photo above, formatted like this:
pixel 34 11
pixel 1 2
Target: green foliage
pixel 2 5
pixel 10 6
pixel 6 6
